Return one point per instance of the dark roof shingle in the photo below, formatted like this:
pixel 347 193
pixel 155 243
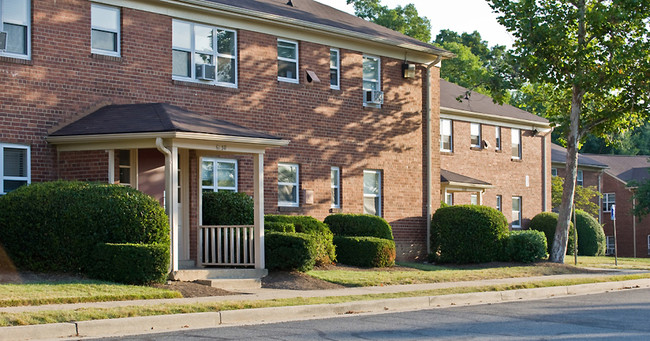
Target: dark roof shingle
pixel 625 167
pixel 558 155
pixel 448 176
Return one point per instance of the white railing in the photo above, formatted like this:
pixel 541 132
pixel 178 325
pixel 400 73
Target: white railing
pixel 229 245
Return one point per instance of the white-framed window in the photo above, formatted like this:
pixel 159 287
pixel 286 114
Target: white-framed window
pixel 15 19
pixel 473 199
pixel 516 212
pixel 609 250
pixel 288 61
pixel 475 135
pixel 516 143
pixel 553 171
pixel 205 54
pixel 219 175
pixel 446 136
pixel 449 198
pixel 335 184
pixel 288 185
pixel 335 69
pixel 499 205
pixel 371 75
pixel 497 134
pixel 580 178
pixel 15 168
pixel 372 192
pixel 105 30
pixel 609 199
pixel 126 160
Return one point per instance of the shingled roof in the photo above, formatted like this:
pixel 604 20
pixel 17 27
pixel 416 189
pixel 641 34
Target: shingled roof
pixel 558 155
pixel 449 177
pixel 625 167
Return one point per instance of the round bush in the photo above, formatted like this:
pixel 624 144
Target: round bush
pixel 273 226
pixel 468 234
pixel 591 237
pixel 310 225
pixel 547 223
pixel 290 251
pixel 359 225
pixel 56 226
pixel 365 251
pixel 227 208
pixel 130 263
pixel 526 246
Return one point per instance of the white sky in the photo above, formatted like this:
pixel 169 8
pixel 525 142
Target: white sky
pixel 456 15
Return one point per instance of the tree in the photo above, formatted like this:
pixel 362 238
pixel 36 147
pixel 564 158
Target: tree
pixel 641 196
pixel 594 56
pixel 583 200
pixel 401 19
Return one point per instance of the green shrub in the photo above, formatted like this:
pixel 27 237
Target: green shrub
pixel 311 226
pixel 547 222
pixel 55 226
pixel 359 225
pixel 274 226
pixel 591 237
pixel 290 251
pixel 227 208
pixel 130 263
pixel 468 234
pixel 365 251
pixel 526 246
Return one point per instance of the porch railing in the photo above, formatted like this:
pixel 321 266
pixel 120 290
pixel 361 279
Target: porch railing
pixel 227 245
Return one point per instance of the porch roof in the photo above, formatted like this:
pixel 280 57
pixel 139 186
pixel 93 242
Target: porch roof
pixel 459 180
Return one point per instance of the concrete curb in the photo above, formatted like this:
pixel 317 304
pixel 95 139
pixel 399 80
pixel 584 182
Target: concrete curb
pixel 157 324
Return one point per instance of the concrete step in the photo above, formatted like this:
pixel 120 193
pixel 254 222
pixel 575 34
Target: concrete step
pixel 233 284
pixel 189 275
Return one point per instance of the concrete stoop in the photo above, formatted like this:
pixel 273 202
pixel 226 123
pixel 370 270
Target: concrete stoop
pixel 227 279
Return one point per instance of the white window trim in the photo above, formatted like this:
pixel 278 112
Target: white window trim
pixel 286 79
pixel 449 198
pixel 27 178
pixel 338 186
pixel 215 55
pixel 606 203
pixel 473 199
pixel 451 135
pixel 553 171
pixel 512 135
pixel 499 205
pixel 28 24
pixel 472 125
pixel 296 184
pixel 580 177
pixel 498 141
pixel 133 167
pixel 378 81
pixel 117 32
pixel 338 69
pixel 378 195
pixel 519 215
pixel 215 180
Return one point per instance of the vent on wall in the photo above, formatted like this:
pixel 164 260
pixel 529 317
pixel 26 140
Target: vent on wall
pixel 205 72
pixel 374 96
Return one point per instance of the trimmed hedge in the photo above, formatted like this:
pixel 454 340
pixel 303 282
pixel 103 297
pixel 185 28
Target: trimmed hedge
pixel 365 251
pixel 591 237
pixel 290 251
pixel 359 225
pixel 313 227
pixel 547 222
pixel 468 234
pixel 130 263
pixel 526 246
pixel 227 208
pixel 56 226
pixel 274 226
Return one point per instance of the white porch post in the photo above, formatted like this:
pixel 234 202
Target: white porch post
pixel 258 198
pixel 111 166
pixel 171 197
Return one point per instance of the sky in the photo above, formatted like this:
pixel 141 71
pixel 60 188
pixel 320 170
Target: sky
pixel 456 15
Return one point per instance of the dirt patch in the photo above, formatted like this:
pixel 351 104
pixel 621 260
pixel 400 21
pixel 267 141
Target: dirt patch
pixel 193 289
pixel 295 281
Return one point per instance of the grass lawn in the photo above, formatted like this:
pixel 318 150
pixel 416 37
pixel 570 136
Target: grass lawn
pixel 608 262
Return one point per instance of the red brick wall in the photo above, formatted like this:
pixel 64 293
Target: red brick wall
pixel 591 178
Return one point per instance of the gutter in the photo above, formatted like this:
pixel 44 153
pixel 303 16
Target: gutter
pixel 428 151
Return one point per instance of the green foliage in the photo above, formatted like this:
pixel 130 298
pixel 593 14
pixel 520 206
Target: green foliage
pixel 583 199
pixel 546 222
pixel 290 251
pixel 130 263
pixel 55 226
pixel 311 226
pixel 365 251
pixel 526 246
pixel 405 19
pixel 359 225
pixel 468 234
pixel 274 226
pixel 642 197
pixel 591 237
pixel 227 208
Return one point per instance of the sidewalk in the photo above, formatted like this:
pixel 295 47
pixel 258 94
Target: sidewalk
pixel 139 325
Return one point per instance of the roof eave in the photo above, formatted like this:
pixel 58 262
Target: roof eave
pixel 467 185
pixel 545 127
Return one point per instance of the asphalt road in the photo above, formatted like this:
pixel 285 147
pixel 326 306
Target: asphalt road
pixel 622 315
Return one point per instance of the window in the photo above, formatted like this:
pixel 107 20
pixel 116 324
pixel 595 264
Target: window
pixel 105 30
pixel 335 175
pixel 335 70
pixel 553 171
pixel 449 198
pixel 371 75
pixel 127 167
pixel 579 178
pixel 15 19
pixel 218 175
pixel 372 192
pixel 516 212
pixel 288 185
pixel 609 199
pixel 445 135
pixel 287 61
pixel 473 199
pixel 516 143
pixel 204 54
pixel 14 167
pixel 499 207
pixel 610 245
pixel 475 135
pixel 497 133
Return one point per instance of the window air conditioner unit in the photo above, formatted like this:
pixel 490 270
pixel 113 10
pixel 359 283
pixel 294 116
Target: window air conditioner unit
pixel 205 72
pixel 3 41
pixel 374 96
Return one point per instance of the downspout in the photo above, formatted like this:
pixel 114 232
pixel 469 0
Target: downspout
pixel 168 204
pixel 544 178
pixel 428 150
pixel 600 198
